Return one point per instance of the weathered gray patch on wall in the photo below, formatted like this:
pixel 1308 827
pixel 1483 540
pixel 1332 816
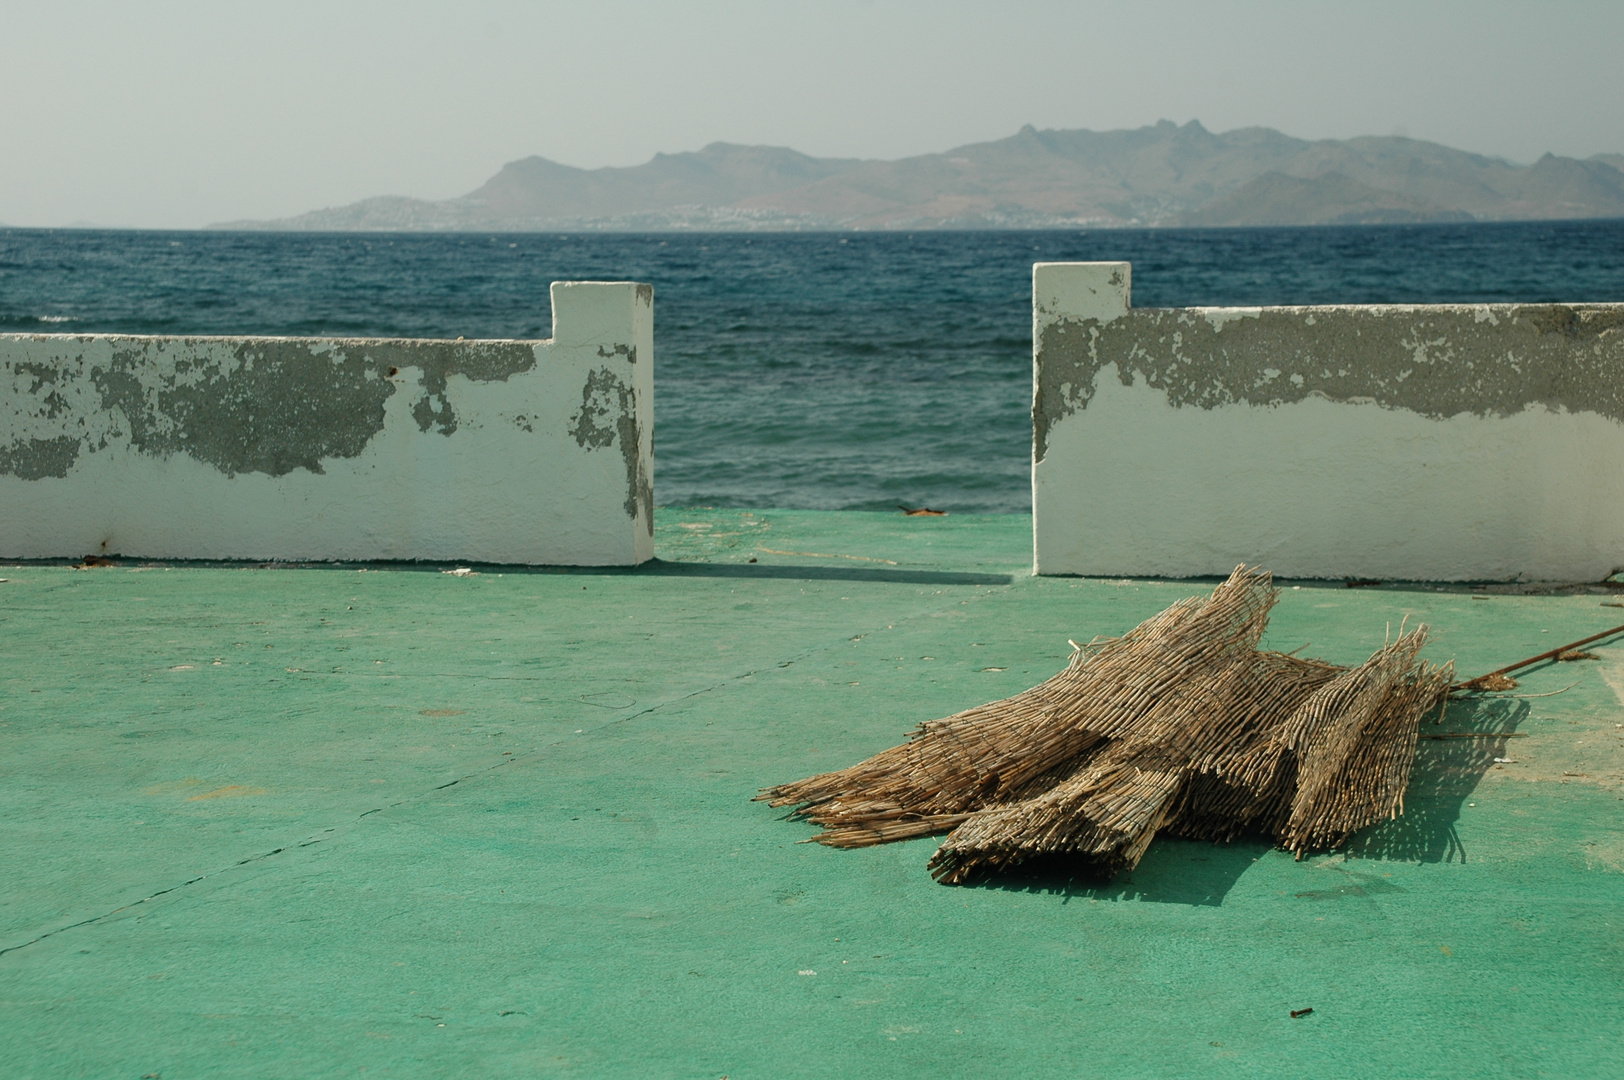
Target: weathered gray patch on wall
pixel 35 459
pixel 273 407
pixel 274 448
pixel 478 361
pixel 267 405
pixel 608 412
pixel 427 414
pixel 1436 361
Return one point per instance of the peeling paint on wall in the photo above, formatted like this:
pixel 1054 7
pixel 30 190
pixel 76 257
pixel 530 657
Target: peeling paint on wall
pixel 266 405
pixel 1436 361
pixel 608 414
pixel 1446 442
pixel 35 459
pixel 214 447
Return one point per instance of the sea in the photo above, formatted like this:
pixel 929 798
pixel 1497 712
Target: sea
pixel 837 371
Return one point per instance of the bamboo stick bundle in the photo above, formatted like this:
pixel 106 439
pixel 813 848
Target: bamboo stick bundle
pixel 1023 745
pixel 1107 814
pixel 1182 726
pixel 1354 760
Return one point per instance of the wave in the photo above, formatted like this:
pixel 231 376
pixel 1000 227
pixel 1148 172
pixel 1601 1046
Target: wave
pixel 23 321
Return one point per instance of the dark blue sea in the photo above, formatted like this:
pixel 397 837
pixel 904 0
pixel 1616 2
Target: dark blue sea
pixel 809 370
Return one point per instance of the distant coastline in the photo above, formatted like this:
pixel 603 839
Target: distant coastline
pixel 1157 176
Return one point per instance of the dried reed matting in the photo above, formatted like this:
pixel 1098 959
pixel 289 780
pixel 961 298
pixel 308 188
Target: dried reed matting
pixel 1182 725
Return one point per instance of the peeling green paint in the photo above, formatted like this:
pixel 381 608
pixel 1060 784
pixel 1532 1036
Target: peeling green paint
pixel 1437 361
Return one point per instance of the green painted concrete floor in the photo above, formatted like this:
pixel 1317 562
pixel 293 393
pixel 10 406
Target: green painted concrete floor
pixel 395 822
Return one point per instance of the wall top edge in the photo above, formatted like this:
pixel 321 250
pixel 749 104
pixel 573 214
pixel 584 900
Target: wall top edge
pixel 626 283
pixel 239 339
pixel 1467 308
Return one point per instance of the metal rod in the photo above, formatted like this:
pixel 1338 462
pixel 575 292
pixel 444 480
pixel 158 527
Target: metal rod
pixel 1549 654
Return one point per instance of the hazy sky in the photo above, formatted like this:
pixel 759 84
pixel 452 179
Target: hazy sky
pixel 180 114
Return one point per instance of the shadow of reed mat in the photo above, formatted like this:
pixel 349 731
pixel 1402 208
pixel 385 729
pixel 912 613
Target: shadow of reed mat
pixel 1181 727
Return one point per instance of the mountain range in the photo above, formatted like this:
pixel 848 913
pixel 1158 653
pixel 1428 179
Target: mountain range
pixel 1161 175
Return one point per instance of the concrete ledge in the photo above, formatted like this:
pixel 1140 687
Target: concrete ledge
pixel 534 452
pixel 1440 442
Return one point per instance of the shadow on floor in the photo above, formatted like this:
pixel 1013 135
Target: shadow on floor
pixel 1173 871
pixel 762 571
pixel 1447 770
pixel 652 568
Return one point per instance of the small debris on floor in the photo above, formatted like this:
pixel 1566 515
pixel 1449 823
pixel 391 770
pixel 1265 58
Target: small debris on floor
pixel 1500 679
pixel 1297 1014
pixel 92 561
pixel 1576 654
pixel 461 571
pixel 923 511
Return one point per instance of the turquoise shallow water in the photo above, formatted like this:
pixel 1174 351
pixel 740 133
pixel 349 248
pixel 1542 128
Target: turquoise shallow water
pixel 794 370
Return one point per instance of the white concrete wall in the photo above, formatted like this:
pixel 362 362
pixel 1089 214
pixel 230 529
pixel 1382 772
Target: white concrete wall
pixel 536 452
pixel 1399 442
